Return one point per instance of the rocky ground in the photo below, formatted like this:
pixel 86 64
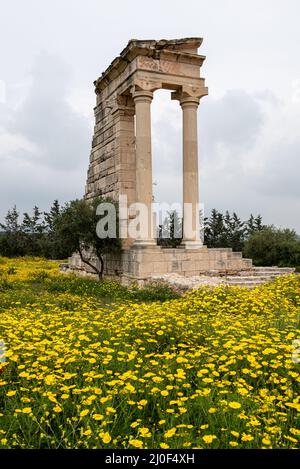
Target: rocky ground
pixel 252 278
pixel 188 282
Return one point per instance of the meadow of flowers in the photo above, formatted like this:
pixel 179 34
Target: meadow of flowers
pixel 90 365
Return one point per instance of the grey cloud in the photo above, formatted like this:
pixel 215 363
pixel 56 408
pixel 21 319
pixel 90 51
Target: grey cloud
pixel 167 153
pixel 232 133
pixel 52 161
pixel 234 120
pixel 6 115
pixel 228 126
pixel 60 135
pixel 281 172
pixel 26 186
pixel 232 129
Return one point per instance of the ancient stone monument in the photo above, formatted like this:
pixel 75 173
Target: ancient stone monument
pixel 121 162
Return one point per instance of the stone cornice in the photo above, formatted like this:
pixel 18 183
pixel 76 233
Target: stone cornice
pixel 184 50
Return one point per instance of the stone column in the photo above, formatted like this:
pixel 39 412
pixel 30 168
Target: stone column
pixel 191 228
pixel 142 100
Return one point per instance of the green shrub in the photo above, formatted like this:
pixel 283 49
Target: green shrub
pixel 272 246
pixel 155 291
pixel 88 286
pixel 39 276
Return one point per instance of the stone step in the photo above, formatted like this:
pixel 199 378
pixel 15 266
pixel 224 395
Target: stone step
pixel 249 278
pixel 257 276
pixel 271 274
pixel 245 281
pixel 236 254
pixel 245 284
pixel 248 262
pixel 267 271
pixel 274 269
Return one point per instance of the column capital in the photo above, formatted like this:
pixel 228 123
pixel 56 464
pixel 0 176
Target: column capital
pixel 145 84
pixel 123 105
pixel 189 96
pixel 142 95
pixel 189 102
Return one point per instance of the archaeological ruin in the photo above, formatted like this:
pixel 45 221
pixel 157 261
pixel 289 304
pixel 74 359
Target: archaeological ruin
pixel 121 161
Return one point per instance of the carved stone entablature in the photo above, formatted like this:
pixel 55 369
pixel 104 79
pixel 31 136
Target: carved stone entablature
pixel 176 57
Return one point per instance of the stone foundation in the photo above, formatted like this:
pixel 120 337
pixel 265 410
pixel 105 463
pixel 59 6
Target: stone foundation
pixel 139 264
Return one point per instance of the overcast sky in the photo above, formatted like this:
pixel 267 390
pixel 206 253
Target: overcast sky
pixel 249 125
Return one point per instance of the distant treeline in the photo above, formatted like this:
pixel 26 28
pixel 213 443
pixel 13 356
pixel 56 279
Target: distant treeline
pixel 266 245
pixel 33 235
pixel 40 234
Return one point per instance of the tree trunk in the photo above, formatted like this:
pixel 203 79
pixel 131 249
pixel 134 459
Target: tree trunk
pixel 95 269
pixel 102 266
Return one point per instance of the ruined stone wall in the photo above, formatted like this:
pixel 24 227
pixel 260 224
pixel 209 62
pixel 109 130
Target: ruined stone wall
pixel 102 177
